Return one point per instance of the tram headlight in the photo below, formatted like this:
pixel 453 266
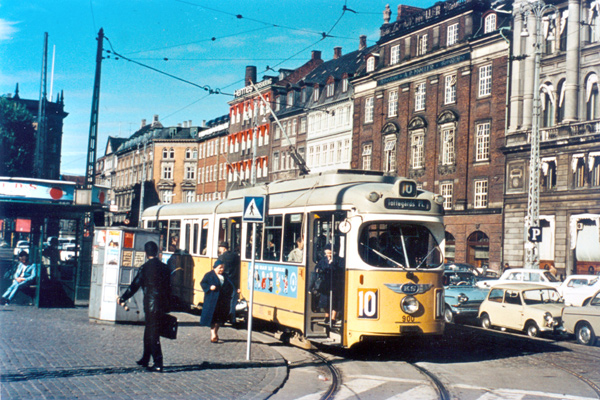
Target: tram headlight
pixel 439 199
pixel 409 305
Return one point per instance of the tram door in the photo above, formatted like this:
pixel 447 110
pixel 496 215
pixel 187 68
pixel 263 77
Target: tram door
pixel 324 233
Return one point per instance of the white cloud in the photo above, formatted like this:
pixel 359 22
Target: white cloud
pixel 7 29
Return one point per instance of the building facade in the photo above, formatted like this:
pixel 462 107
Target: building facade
pixel 430 105
pixel 213 160
pixel 569 198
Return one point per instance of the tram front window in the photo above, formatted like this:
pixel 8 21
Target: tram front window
pixel 399 245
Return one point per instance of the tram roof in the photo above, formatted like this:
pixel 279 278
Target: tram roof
pixel 341 187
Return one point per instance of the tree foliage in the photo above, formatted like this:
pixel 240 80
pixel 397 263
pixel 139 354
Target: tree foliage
pixel 17 139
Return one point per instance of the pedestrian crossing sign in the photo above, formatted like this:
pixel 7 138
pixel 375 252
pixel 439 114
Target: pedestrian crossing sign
pixel 254 209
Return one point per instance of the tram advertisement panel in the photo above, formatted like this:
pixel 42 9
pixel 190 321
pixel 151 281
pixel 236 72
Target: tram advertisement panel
pixel 280 280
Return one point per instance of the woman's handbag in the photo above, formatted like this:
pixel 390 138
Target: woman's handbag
pixel 168 327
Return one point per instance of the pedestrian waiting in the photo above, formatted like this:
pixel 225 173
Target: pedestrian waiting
pixel 23 277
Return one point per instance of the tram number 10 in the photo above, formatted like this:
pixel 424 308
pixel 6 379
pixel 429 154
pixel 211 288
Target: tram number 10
pixel 368 303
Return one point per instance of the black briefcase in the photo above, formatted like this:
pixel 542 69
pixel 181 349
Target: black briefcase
pixel 168 327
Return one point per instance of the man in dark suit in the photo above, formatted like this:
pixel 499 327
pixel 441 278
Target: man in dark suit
pixel 231 261
pixel 154 279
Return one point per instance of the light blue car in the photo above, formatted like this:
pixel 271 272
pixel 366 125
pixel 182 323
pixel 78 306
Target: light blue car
pixel 462 296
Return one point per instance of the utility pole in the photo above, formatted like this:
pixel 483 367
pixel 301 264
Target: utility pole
pixel 532 221
pixel 90 171
pixel 39 165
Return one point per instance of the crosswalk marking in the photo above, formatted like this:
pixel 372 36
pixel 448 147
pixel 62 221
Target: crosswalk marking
pixel 421 392
pixel 357 386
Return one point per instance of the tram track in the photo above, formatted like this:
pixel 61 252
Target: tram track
pixel 443 393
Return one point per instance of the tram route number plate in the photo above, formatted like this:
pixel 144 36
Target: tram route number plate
pixel 368 303
pixel 407 204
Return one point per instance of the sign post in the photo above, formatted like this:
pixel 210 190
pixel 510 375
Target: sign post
pixel 254 211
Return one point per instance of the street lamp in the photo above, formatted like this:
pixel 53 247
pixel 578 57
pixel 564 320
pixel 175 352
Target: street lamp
pixel 532 221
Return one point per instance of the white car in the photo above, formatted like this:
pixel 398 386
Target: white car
pixel 21 245
pixel 523 275
pixel 525 307
pixel 584 321
pixel 578 290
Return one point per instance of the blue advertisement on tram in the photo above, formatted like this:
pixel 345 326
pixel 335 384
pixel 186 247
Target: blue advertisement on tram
pixel 280 280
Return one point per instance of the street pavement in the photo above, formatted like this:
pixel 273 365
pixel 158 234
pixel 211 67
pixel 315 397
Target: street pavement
pixel 57 353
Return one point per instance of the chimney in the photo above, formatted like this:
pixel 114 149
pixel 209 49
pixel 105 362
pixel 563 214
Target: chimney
pixel 362 42
pixel 143 123
pixel 315 55
pixel 250 75
pixel 337 52
pixel 204 121
pixel 189 123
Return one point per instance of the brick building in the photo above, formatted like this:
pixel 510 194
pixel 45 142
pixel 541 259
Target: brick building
pixel 212 160
pixel 430 104
pixel 569 133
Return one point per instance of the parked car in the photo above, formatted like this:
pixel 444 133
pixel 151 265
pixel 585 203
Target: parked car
pixel 523 275
pixel 578 290
pixel 462 297
pixel 584 321
pixel 21 245
pixel 531 308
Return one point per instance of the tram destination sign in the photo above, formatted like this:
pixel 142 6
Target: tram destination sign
pixel 408 204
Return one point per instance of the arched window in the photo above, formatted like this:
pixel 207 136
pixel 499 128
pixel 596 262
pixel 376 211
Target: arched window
pixel 171 153
pixel 592 97
pixel 188 153
pixel 489 23
pixel 478 249
pixel 548 178
pixel 165 153
pixel 548 101
pixel 578 166
pixel 560 105
pixel 370 64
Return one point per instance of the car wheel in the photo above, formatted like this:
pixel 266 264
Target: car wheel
pixel 485 321
pixel 448 315
pixel 532 329
pixel 585 334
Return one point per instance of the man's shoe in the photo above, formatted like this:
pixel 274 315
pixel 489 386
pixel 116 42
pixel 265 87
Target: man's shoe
pixel 155 368
pixel 142 363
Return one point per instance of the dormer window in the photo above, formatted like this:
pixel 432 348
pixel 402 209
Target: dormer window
pixel 303 95
pixel 395 55
pixel 422 45
pixel 290 98
pixel 330 89
pixel 489 24
pixel 316 94
pixel 345 84
pixel 371 64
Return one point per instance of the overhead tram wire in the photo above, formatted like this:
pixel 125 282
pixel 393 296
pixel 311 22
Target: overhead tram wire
pixel 205 87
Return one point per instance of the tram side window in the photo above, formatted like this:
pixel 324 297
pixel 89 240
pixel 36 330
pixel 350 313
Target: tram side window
pixel 325 231
pixel 174 231
pixel 272 243
pixel 188 237
pixel 259 230
pixel 195 238
pixel 222 230
pixel 293 242
pixel 163 229
pixel 204 236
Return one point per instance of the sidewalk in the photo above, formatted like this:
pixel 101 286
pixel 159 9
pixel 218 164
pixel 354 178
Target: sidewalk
pixel 53 353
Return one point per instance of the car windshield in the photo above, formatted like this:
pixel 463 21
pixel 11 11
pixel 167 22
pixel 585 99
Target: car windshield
pixel 596 300
pixel 541 296
pixel 399 245
pixel 452 278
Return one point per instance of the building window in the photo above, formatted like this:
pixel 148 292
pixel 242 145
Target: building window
pixel 489 23
pixel 452 35
pixel 303 95
pixel 276 161
pixel 393 103
pixel 190 172
pixel 330 89
pixel 548 173
pixel 367 155
pixel 422 45
pixel 188 153
pixel 370 64
pixel 450 89
pixel 302 124
pixel 420 97
pixel 165 153
pixel 485 80
pixel 595 24
pixel 560 109
pixel 346 151
pixel 446 189
pixel 547 101
pixel 482 152
pixel 369 107
pixel 448 146
pixel 389 154
pixel 290 99
pixel 316 94
pixel 594 169
pixel 395 54
pixel 167 196
pixel 189 196
pixel 592 97
pixel 294 127
pixel 481 193
pixel 167 172
pixel 578 171
pixel 345 84
pixel 417 150
pixel 277 103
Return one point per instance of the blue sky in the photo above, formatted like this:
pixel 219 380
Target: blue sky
pixel 148 31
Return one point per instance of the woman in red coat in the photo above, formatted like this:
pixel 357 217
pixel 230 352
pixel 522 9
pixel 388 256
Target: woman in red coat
pixel 218 290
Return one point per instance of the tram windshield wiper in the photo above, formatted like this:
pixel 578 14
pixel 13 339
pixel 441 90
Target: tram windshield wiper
pixel 380 254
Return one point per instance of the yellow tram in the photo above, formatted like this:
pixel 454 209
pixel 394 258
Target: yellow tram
pixel 388 235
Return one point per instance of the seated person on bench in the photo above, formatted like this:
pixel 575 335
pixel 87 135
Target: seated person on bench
pixel 23 277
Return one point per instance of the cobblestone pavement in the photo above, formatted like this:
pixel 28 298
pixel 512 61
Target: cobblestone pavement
pixel 58 354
